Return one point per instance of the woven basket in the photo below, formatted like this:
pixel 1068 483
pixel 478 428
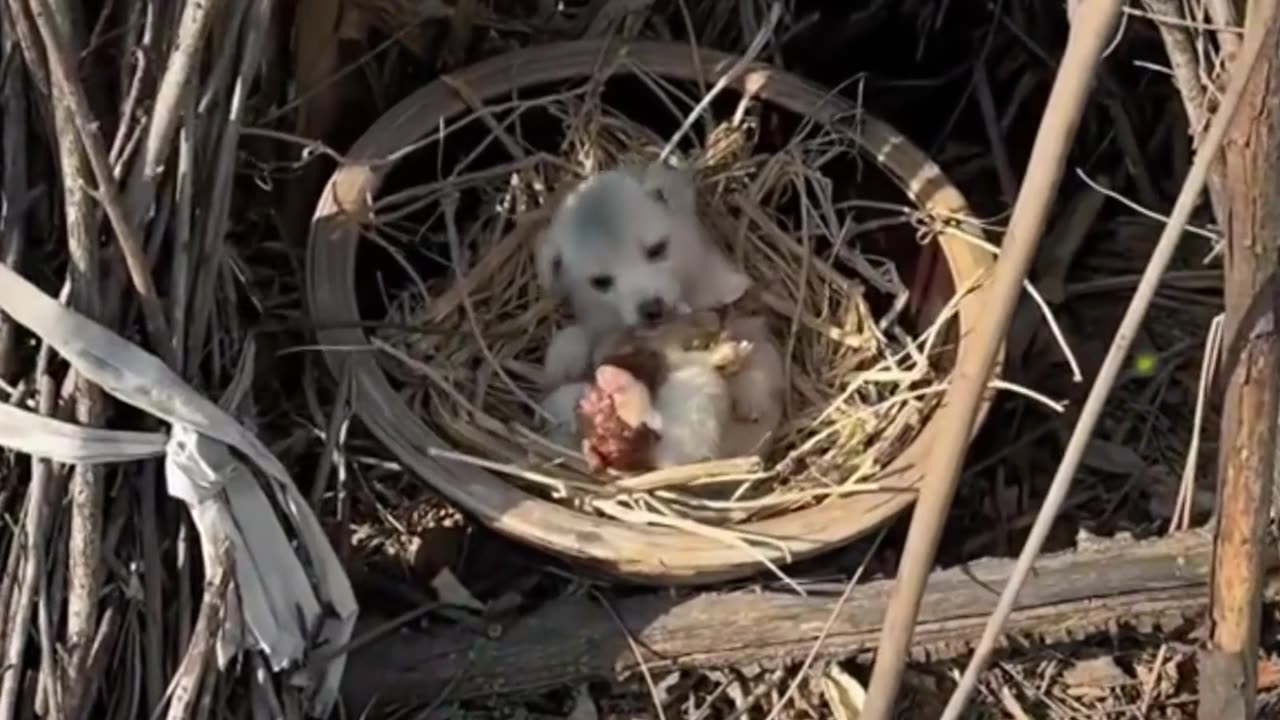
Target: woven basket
pixel 638 553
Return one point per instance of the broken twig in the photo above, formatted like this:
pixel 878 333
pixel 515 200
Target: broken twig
pixel 1107 374
pixel 1091 30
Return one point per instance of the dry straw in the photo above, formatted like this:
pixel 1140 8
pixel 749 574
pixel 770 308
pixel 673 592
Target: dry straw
pixel 668 528
pixel 467 344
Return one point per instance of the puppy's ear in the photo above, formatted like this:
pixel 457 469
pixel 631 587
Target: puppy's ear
pixel 717 282
pixel 550 267
pixel 672 187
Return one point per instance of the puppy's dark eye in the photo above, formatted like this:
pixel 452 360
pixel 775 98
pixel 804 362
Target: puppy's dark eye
pixel 656 251
pixel 602 283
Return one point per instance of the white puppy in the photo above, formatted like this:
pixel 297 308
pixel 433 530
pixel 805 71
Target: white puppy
pixel 626 248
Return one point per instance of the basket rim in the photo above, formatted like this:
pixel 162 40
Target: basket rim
pixel 638 553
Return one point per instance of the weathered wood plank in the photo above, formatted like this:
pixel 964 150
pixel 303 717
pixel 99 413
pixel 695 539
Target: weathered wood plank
pixel 1147 584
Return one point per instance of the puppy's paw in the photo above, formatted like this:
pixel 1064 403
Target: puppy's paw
pixel 568 356
pixel 595 461
pixel 756 387
pixel 751 405
pixel 730 355
pixel 561 408
pixel 757 391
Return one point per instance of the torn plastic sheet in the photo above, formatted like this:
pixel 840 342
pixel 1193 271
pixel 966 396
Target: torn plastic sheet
pixel 234 488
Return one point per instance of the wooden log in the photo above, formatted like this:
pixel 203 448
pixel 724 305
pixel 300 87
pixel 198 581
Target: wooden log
pixel 1147 584
pixel 1252 367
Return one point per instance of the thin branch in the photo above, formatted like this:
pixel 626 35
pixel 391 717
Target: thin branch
pixel 62 66
pixel 999 153
pixel 19 22
pixel 1223 14
pixel 100 655
pixel 152 590
pixel 139 47
pixel 1179 46
pixel 193 28
pixel 1181 50
pixel 86 490
pixel 84 543
pixel 33 543
pixel 191 673
pixel 1111 365
pixel 13 211
pixel 207 273
pixel 1091 30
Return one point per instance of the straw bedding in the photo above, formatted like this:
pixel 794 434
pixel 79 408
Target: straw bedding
pixel 467 339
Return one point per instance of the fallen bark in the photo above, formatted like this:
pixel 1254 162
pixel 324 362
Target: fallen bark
pixel 1145 585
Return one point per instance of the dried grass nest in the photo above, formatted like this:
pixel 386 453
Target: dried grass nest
pixel 467 343
pixel 859 388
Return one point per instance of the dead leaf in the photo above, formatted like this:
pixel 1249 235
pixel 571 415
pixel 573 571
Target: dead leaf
pixel 1012 705
pixel 351 185
pixel 845 695
pixel 451 591
pixel 1112 457
pixel 1095 676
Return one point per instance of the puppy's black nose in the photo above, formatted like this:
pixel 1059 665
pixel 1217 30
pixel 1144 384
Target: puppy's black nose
pixel 652 311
